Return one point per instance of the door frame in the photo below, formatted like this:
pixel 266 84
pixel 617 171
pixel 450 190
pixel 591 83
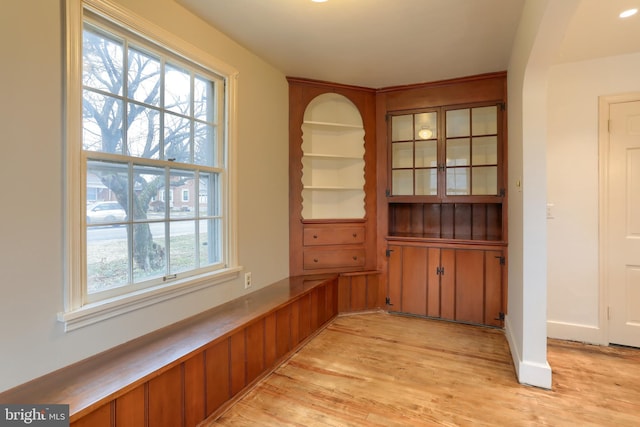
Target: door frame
pixel 604 102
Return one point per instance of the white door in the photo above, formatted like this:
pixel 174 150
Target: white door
pixel 623 259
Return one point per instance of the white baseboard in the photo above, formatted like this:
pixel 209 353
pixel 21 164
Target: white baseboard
pixel 528 372
pixel 576 332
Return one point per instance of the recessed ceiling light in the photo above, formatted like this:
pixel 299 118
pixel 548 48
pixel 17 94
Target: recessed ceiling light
pixel 628 13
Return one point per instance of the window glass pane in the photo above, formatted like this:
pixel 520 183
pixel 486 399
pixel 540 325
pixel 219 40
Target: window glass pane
pixel 203 100
pixel 210 242
pixel 143 135
pixel 107 258
pixel 458 181
pixel 485 120
pixel 109 182
pixel 177 90
pixel 402 182
pixel 484 151
pixel 402 155
pixel 102 66
pixel 426 126
pixel 205 147
pixel 426 182
pixel 402 128
pixel 149 251
pixel 177 138
pixel 457 123
pixel 458 152
pixel 181 181
pixel 485 180
pixel 149 201
pixel 143 81
pixel 426 153
pixel 208 203
pixel 101 123
pixel 183 246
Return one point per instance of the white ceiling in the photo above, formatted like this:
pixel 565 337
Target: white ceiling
pixel 382 43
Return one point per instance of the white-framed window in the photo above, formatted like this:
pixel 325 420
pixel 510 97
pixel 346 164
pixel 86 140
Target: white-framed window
pixel 147 115
pixel 185 195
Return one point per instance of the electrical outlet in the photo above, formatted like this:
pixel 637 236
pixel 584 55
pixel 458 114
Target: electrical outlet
pixel 247 280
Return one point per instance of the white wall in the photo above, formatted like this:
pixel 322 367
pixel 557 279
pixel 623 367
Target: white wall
pixel 541 28
pixel 32 341
pixel 572 158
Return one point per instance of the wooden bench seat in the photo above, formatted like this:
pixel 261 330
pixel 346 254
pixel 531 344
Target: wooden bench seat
pixel 181 374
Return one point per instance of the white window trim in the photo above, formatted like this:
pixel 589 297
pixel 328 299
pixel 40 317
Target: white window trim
pixel 76 315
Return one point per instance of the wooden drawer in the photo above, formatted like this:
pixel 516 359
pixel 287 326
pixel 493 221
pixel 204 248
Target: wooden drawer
pixel 339 235
pixel 332 258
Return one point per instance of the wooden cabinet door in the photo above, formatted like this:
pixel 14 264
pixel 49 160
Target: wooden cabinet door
pixel 414 280
pixel 469 286
pixel 464 285
pixel 394 282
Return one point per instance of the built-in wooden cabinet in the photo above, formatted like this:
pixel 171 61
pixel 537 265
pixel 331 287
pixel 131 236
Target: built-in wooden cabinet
pixel 450 282
pixel 442 210
pixel 332 178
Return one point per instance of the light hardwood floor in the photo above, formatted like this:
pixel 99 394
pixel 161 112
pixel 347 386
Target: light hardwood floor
pixel 386 370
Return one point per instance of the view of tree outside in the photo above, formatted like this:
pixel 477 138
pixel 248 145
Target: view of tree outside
pixel 150 139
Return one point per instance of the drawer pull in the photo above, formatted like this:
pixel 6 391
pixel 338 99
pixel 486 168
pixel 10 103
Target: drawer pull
pixel 315 260
pixel 355 235
pixel 315 236
pixel 355 258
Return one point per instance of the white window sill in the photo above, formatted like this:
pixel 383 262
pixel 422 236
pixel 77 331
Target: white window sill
pixel 97 312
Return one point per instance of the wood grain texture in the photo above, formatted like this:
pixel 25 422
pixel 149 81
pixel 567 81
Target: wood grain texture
pixel 89 384
pixel 384 370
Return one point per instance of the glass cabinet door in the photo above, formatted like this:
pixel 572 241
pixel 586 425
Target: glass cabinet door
pixel 463 156
pixel 414 154
pixel 472 151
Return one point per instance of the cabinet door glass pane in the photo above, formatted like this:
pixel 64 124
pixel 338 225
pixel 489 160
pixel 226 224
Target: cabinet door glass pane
pixel 426 182
pixel 402 155
pixel 402 128
pixel 426 154
pixel 458 181
pixel 458 123
pixel 402 182
pixel 426 126
pixel 458 152
pixel 485 180
pixel 484 151
pixel 484 120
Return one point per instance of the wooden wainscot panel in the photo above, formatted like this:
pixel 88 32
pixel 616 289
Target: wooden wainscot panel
pixel 295 323
pixel 166 399
pixel 359 291
pixel 270 353
pixel 217 375
pixel 131 408
pixel 238 361
pixel 101 417
pixel 304 327
pixel 255 350
pixel 283 331
pixel 194 390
